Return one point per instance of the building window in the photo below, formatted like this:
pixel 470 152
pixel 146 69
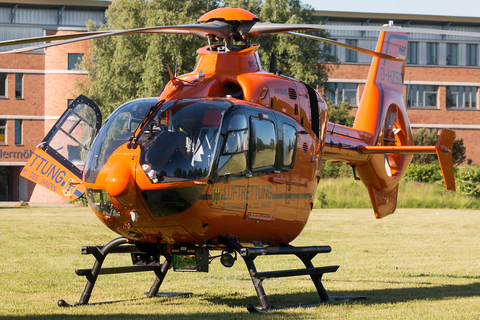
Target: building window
pixel 462 97
pixel 452 52
pixel 18 132
pixel 331 49
pixel 3 131
pixel 19 85
pixel 74 59
pixel 350 55
pixel 422 96
pixel 471 54
pixel 342 92
pixel 3 85
pixel 432 53
pixel 412 53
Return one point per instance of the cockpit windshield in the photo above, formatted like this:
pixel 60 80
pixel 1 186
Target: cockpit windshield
pixel 180 141
pixel 116 130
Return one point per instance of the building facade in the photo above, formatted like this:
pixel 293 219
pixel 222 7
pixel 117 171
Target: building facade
pixel 442 75
pixel 35 88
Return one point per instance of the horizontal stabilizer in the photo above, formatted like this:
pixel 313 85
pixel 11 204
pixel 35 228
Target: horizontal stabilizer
pixel 443 149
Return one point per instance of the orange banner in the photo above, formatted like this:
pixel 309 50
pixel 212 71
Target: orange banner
pixel 44 170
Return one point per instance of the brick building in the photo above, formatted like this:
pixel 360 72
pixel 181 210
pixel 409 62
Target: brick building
pixel 35 88
pixel 442 75
pixel 441 80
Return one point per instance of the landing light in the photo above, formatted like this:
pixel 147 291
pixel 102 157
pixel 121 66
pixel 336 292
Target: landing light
pixel 227 260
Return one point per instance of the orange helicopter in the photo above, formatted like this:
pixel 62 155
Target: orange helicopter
pixel 228 157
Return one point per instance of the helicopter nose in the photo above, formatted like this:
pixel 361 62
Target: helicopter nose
pixel 120 183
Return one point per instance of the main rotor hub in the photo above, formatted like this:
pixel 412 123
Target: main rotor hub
pixel 228 14
pixel 239 20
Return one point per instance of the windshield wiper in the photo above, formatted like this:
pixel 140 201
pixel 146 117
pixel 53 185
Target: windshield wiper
pixel 143 125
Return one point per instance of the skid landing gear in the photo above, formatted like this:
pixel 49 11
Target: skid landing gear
pixel 145 258
pixel 305 254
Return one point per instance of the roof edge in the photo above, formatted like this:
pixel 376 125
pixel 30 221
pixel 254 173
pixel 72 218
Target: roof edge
pixel 395 16
pixel 76 3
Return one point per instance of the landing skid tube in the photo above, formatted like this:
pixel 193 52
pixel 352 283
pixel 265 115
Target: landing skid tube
pixel 146 257
pixel 305 254
pixel 147 260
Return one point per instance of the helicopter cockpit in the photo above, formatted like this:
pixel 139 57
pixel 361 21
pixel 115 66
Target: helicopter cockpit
pixel 177 144
pixel 180 140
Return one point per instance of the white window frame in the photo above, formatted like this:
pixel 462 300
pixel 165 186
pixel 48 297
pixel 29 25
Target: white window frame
pixel 341 94
pixel 423 92
pixel 470 97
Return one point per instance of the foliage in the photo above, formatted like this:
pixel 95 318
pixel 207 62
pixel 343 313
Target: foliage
pixel 340 114
pixel 297 57
pixel 128 67
pixel 429 172
pixel 424 138
pixel 469 181
pixel 335 170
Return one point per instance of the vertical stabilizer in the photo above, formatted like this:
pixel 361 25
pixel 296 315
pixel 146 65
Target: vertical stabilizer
pixel 382 113
pixel 384 85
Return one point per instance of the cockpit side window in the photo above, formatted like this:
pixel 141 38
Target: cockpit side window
pixel 289 145
pixel 233 159
pixel 263 143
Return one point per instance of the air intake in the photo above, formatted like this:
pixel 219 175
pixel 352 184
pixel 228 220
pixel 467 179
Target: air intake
pixel 292 93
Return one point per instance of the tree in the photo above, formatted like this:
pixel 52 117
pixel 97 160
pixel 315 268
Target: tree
pixel 127 67
pixel 307 60
pixel 340 114
pixel 424 138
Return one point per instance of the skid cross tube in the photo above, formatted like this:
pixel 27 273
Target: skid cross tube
pixel 118 246
pixel 305 254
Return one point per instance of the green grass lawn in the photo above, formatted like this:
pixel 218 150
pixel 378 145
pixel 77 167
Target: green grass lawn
pixel 415 264
pixel 346 192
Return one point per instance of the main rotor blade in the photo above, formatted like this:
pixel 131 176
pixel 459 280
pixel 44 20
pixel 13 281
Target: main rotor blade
pixel 217 28
pixel 49 38
pixel 260 28
pixel 358 49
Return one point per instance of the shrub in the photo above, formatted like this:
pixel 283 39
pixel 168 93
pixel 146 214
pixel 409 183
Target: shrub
pixel 424 138
pixel 429 172
pixel 335 170
pixel 340 114
pixel 469 181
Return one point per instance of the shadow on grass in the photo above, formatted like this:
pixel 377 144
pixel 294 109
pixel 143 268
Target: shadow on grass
pixel 383 296
pixel 375 296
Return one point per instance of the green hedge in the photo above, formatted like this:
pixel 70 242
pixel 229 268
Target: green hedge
pixel 468 179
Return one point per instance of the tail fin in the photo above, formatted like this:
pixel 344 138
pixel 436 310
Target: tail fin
pixel 381 135
pixel 384 84
pixel 382 113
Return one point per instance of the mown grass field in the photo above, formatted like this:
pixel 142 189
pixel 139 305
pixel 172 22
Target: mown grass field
pixel 346 192
pixel 415 264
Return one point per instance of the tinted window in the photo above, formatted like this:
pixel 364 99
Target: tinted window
pixel 263 143
pixel 289 143
pixel 74 59
pixel 18 85
pixel 234 154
